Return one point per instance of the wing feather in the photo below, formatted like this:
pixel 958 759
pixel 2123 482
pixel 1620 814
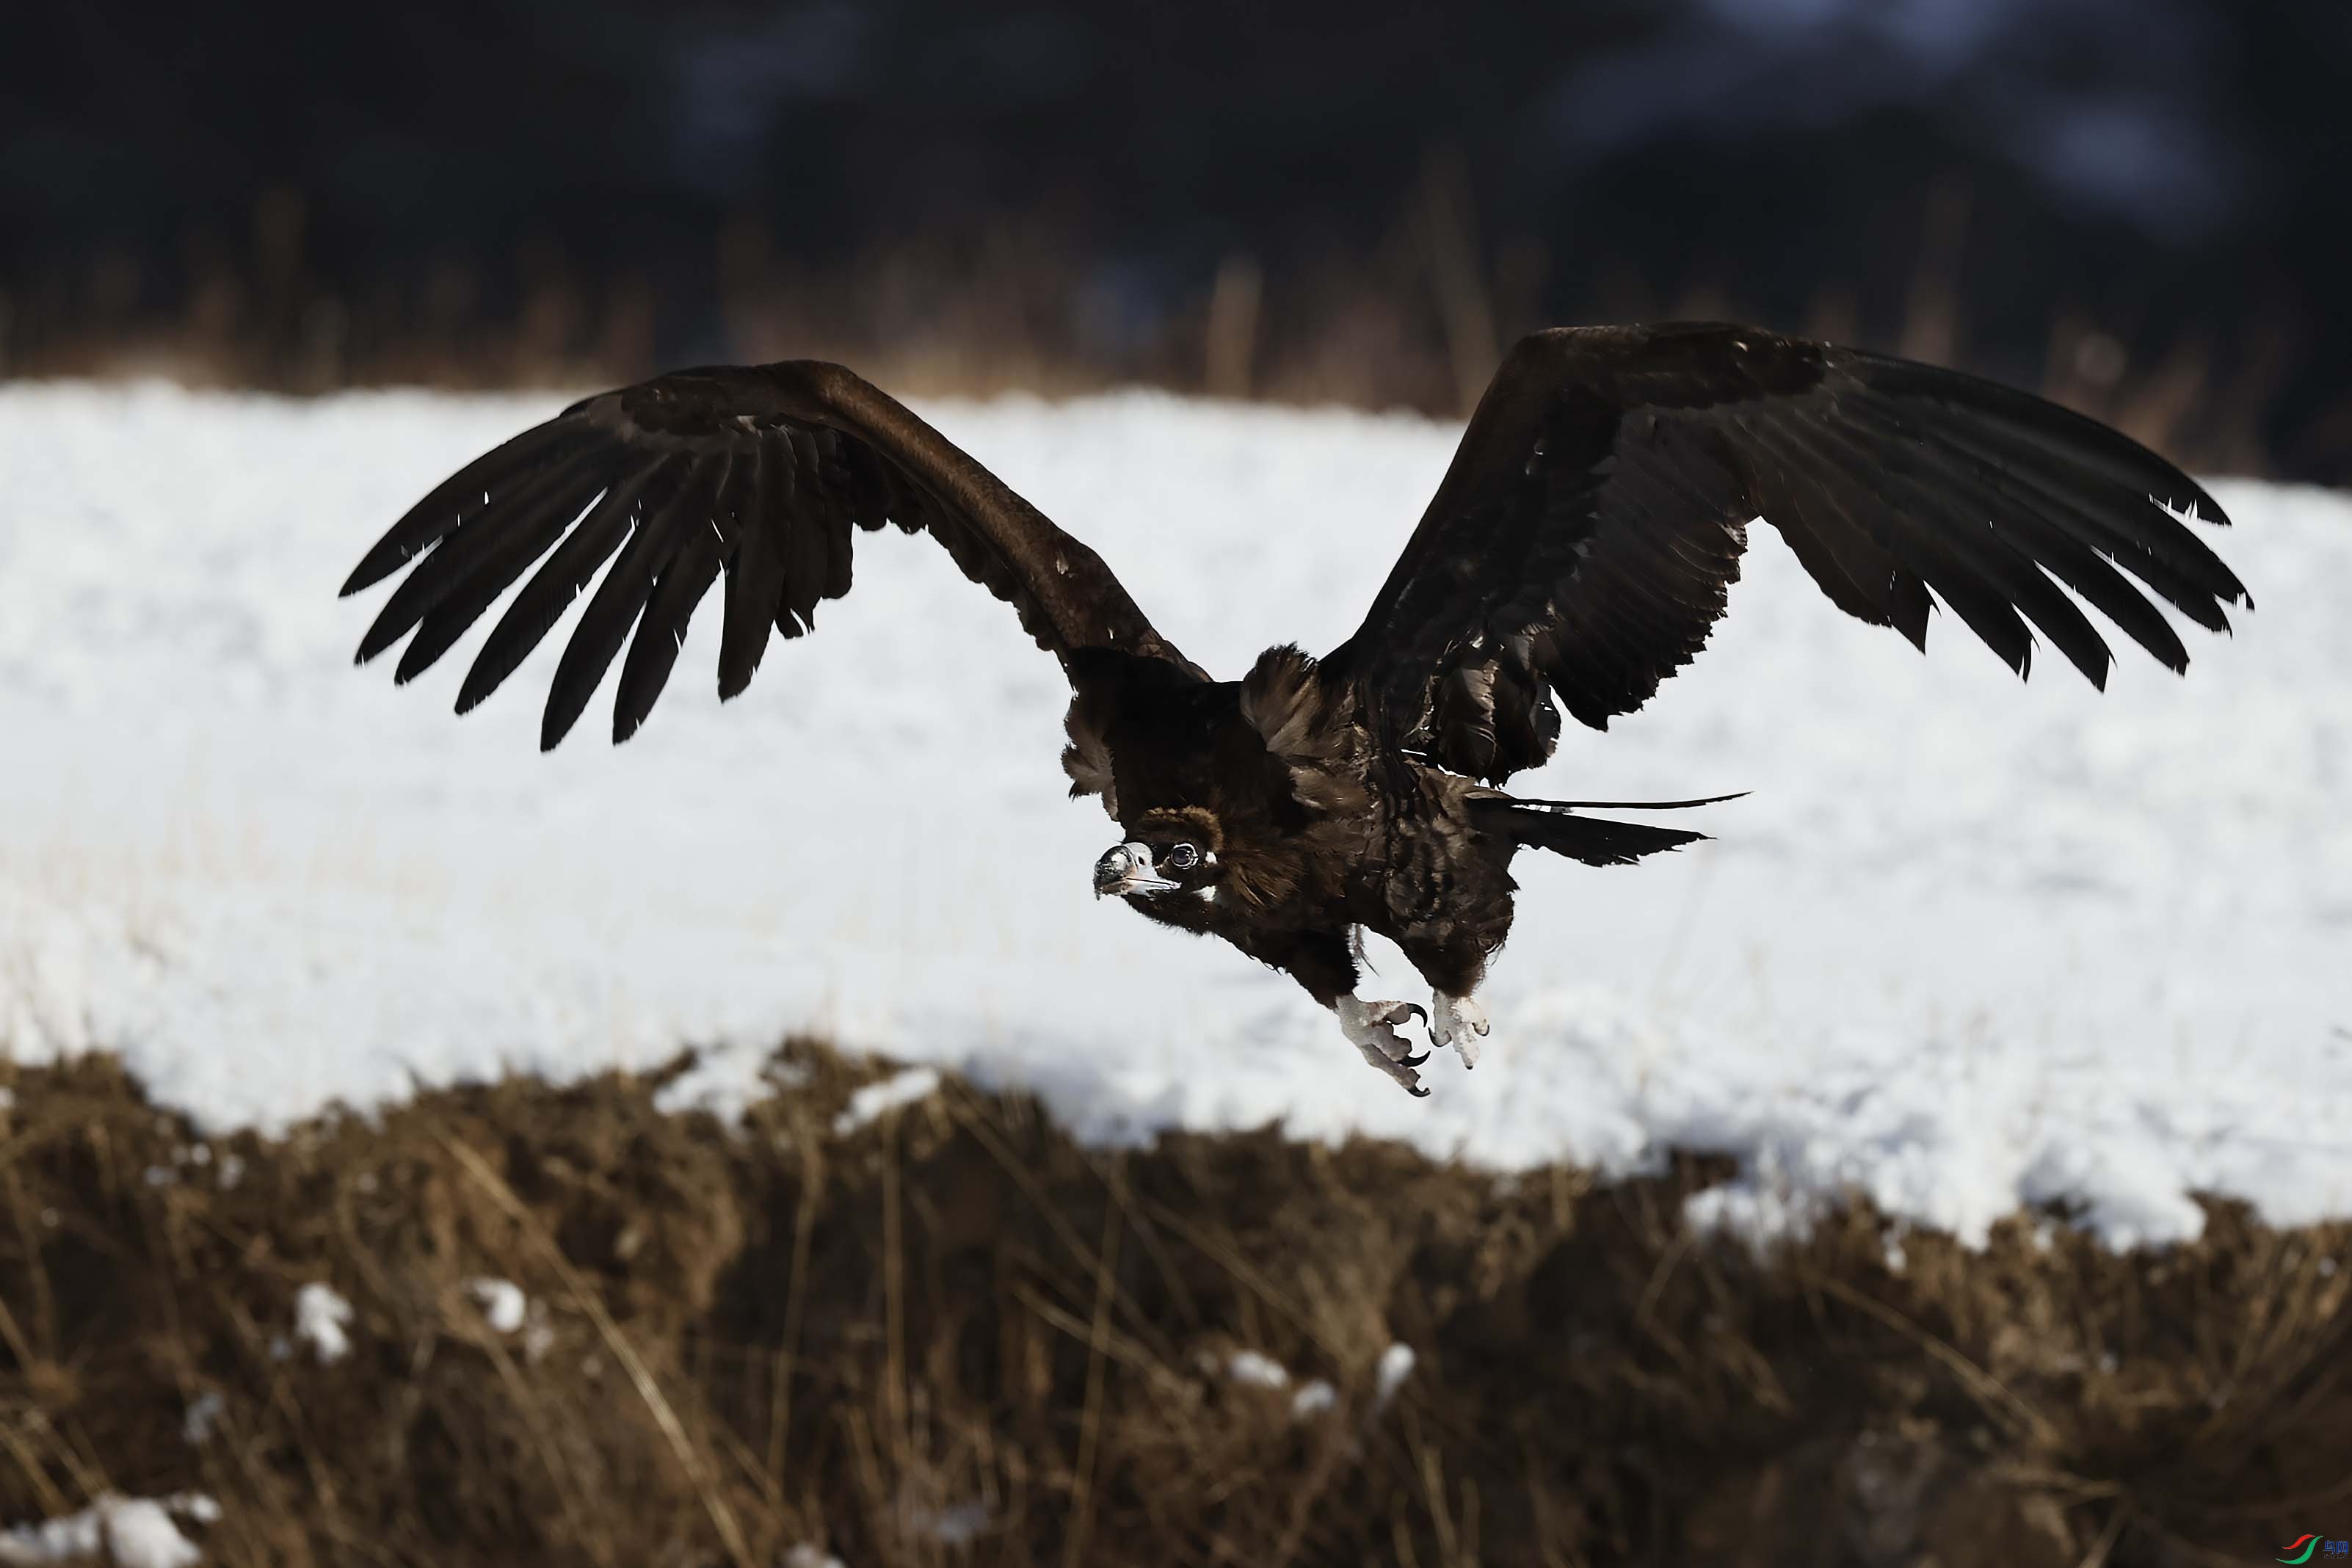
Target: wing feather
pixel 1843 551
pixel 1831 479
pixel 488 573
pixel 1974 526
pixel 620 599
pixel 569 569
pixel 512 509
pixel 806 560
pixel 755 576
pixel 2042 537
pixel 661 631
pixel 2114 522
pixel 461 496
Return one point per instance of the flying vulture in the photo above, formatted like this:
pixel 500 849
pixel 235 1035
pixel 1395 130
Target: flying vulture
pixel 1575 555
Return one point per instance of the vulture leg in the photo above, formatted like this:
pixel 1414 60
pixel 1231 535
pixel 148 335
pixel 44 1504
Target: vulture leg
pixel 1455 964
pixel 1459 1022
pixel 1325 965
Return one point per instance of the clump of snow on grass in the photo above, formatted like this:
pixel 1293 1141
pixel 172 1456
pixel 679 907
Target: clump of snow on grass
pixel 1971 944
pixel 909 1086
pixel 807 1556
pixel 130 1532
pixel 1256 1369
pixel 321 1318
pixel 724 1078
pixel 1314 1397
pixel 504 1306
pixel 538 1333
pixel 958 1524
pixel 204 1412
pixel 1396 1364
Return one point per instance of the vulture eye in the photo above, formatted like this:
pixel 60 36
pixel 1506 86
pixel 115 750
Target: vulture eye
pixel 1183 857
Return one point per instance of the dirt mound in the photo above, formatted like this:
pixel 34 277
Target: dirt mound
pixel 948 1334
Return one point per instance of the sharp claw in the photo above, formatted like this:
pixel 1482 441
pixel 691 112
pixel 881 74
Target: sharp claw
pixel 1371 1028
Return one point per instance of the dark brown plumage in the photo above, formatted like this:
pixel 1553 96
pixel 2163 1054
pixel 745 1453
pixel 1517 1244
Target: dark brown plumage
pixel 1579 548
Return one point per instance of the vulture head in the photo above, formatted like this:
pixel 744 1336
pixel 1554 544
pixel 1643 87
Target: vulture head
pixel 1169 851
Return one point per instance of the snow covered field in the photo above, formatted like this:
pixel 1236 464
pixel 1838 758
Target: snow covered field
pixel 1968 944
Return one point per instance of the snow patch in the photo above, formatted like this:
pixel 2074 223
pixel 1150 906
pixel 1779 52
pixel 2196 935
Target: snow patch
pixel 130 1532
pixel 203 1414
pixel 320 1320
pixel 724 1078
pixel 504 1306
pixel 1396 1364
pixel 911 1086
pixel 1972 944
pixel 959 1525
pixel 1256 1369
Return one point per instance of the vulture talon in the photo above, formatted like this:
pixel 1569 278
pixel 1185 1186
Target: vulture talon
pixel 1459 1022
pixel 1371 1028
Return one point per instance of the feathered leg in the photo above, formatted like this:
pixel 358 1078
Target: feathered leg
pixel 1453 970
pixel 1325 964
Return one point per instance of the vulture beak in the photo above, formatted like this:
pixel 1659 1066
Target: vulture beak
pixel 1126 869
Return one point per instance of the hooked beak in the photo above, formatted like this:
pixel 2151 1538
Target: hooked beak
pixel 1126 869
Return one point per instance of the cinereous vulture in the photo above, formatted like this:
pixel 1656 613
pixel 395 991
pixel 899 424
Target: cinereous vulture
pixel 1575 555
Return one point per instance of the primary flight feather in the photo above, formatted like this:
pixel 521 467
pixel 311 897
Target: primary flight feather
pixel 1576 553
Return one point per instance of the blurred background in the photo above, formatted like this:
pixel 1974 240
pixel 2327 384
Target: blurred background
pixel 2137 205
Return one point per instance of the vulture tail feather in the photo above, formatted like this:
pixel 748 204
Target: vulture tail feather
pixel 1627 804
pixel 1591 839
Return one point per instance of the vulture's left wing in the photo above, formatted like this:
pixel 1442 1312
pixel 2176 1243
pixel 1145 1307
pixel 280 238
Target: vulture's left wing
pixel 758 472
pixel 1596 511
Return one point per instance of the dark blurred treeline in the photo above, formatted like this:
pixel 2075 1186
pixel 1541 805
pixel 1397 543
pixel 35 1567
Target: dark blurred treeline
pixel 2137 204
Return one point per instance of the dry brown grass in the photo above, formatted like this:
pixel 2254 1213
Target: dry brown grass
pixel 745 1343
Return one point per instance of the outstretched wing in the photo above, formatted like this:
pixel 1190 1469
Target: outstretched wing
pixel 756 473
pixel 1595 513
